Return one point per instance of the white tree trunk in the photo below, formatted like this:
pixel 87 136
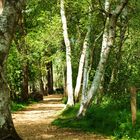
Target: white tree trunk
pixel 87 68
pixel 100 70
pixel 84 54
pixel 69 86
pixel 81 65
pixel 122 32
pixel 97 78
pixel 85 74
pixel 107 43
pixel 1 6
pixel 85 78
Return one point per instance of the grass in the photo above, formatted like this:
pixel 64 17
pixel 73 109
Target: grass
pixel 111 118
pixel 16 106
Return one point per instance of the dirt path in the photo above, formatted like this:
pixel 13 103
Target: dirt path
pixel 34 122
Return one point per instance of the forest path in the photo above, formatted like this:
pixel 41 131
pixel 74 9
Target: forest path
pixel 34 122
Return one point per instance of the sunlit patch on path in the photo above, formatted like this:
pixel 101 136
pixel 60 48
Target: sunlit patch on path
pixel 34 122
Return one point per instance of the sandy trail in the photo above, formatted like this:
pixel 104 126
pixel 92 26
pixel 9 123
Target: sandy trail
pixel 34 122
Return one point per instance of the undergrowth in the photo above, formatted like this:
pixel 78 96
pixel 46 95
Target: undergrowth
pixel 16 106
pixel 110 118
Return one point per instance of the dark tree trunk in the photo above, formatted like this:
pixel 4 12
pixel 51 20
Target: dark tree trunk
pixel 49 77
pixel 13 95
pixel 42 90
pixel 22 49
pixel 41 83
pixel 24 92
pixel 33 87
pixel 8 18
pixel 133 104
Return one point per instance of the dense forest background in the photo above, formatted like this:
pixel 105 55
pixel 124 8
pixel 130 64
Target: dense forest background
pixel 87 50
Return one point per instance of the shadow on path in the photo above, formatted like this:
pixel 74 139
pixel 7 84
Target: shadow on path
pixel 34 122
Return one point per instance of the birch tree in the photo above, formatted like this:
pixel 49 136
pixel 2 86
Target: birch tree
pixel 69 85
pixel 8 16
pixel 84 56
pixel 81 65
pixel 107 43
pixel 123 26
pixel 85 74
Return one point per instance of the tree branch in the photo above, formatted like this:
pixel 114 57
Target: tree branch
pixel 120 7
pixel 102 9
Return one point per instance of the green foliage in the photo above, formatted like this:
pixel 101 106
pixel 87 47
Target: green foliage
pixel 43 43
pixel 110 118
pixel 13 69
pixel 44 36
pixel 18 106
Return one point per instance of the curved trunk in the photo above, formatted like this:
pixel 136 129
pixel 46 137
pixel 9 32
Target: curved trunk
pixel 107 43
pixel 84 52
pixel 116 66
pixel 69 85
pixel 7 130
pixel 81 65
pixel 8 18
pixel 100 70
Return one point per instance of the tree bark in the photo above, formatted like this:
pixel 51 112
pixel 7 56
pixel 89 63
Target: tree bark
pixel 42 90
pixel 100 91
pixel 133 104
pixel 41 83
pixel 84 60
pixel 7 130
pixel 64 82
pixel 49 78
pixel 107 43
pixel 24 92
pixel 8 19
pixel 116 65
pixel 87 68
pixel 22 49
pixel 81 65
pixel 85 76
pixel 69 86
pixel 100 70
pixel 1 6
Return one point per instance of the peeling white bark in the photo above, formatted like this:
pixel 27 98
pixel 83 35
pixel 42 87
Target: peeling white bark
pixel 69 85
pixel 81 65
pixel 85 75
pixel 83 58
pixel 107 43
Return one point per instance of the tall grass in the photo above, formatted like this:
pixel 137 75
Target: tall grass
pixel 111 118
